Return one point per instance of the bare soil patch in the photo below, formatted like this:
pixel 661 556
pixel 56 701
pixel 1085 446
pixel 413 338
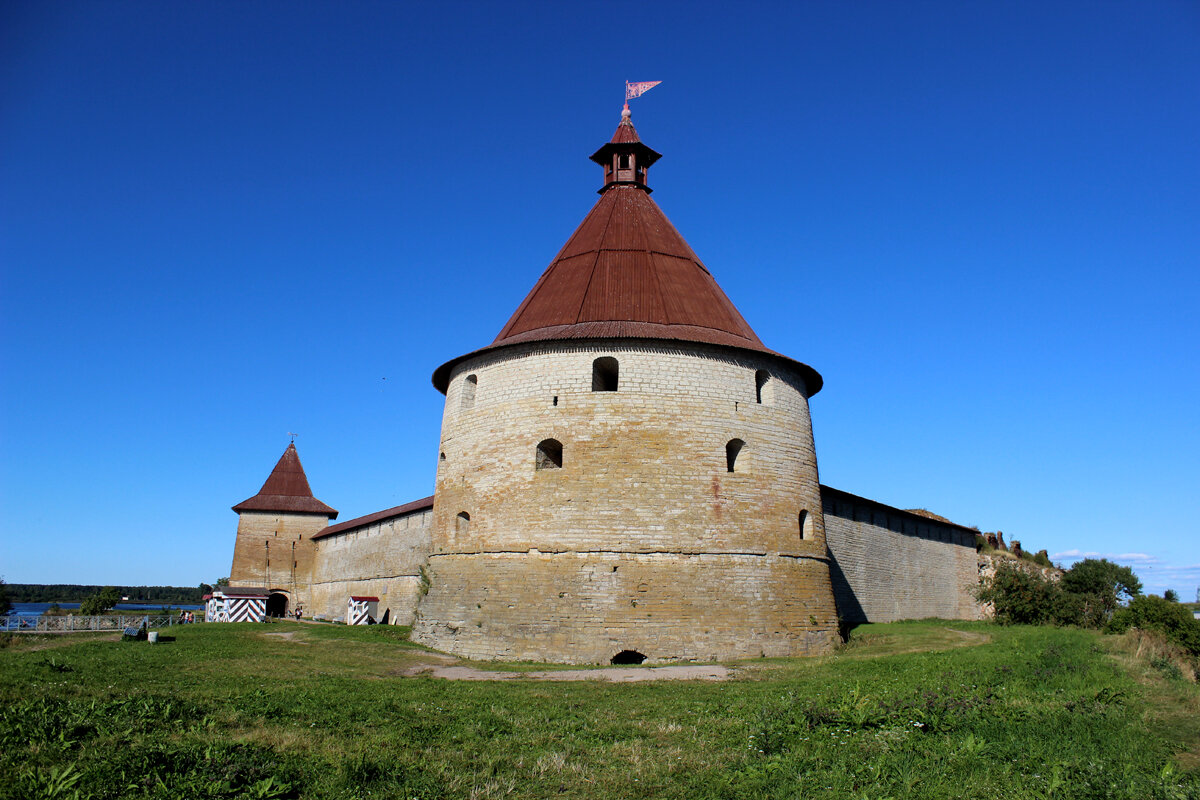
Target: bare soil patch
pixel 459 672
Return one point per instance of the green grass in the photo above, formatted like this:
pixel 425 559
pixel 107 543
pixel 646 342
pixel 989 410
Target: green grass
pixel 908 710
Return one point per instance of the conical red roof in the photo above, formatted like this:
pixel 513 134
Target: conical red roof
pixel 627 273
pixel 287 489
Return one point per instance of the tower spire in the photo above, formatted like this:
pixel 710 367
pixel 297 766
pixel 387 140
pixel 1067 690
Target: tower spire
pixel 625 159
pixel 286 489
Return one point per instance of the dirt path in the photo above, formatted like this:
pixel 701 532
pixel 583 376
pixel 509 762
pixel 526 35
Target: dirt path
pixel 451 668
pixel 971 637
pixel 458 672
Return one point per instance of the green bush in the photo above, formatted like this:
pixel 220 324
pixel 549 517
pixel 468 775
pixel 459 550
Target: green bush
pixel 98 603
pixel 1026 596
pixel 1021 597
pixel 1153 613
pixel 1041 558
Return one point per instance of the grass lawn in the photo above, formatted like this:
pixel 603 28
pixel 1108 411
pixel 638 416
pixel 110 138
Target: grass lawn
pixel 907 710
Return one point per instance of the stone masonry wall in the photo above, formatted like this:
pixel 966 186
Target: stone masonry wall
pixel 382 559
pixel 587 607
pixel 275 550
pixel 733 563
pixel 889 565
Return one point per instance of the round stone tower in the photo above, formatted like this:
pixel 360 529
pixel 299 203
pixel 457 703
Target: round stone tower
pixel 627 472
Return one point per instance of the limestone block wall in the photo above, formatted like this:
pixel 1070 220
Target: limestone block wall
pixel 585 607
pixel 889 564
pixel 381 559
pixel 733 562
pixel 275 550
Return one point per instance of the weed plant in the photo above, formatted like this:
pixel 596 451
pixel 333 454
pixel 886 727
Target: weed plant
pixel 909 710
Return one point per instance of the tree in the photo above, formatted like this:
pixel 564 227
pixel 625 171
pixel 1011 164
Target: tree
pixel 5 605
pixel 100 602
pixel 1108 584
pixel 1170 596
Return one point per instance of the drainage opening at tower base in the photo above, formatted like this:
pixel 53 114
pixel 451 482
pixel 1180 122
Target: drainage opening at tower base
pixel 628 657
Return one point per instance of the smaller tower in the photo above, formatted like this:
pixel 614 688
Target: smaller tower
pixel 274 548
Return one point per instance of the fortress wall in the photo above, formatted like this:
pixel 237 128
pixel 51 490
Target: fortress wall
pixel 585 608
pixel 275 550
pixel 889 564
pixel 644 473
pixel 381 559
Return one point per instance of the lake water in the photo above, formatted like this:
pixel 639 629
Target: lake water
pixel 37 609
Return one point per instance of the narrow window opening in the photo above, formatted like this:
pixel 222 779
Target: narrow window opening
pixel 624 161
pixel 468 390
pixel 732 451
pixel 555 402
pixel 605 373
pixel 549 454
pixel 805 524
pixel 442 456
pixel 628 657
pixel 761 379
pixel 462 524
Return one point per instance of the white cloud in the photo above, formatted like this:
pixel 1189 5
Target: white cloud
pixel 1156 576
pixel 1076 555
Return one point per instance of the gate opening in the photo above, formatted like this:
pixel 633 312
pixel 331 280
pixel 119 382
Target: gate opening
pixel 628 657
pixel 277 604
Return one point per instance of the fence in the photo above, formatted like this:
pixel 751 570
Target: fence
pixel 72 622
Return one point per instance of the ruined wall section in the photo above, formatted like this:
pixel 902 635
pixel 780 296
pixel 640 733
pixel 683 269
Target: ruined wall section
pixel 274 550
pixel 381 559
pixel 889 564
pixel 642 539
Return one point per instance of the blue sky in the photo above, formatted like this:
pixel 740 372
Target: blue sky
pixel 221 222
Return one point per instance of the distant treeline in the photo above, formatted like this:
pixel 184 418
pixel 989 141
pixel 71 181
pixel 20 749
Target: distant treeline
pixel 74 593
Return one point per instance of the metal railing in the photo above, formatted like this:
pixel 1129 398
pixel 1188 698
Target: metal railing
pixel 68 623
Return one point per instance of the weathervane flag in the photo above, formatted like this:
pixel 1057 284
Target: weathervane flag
pixel 633 90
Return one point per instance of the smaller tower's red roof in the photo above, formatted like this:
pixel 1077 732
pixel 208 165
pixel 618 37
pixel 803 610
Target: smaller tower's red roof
pixel 287 490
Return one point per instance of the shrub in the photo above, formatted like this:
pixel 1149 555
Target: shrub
pixel 1020 596
pixel 98 603
pixel 1041 558
pixel 1170 596
pixel 1152 613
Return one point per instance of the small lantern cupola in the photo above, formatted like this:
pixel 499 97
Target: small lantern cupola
pixel 625 159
